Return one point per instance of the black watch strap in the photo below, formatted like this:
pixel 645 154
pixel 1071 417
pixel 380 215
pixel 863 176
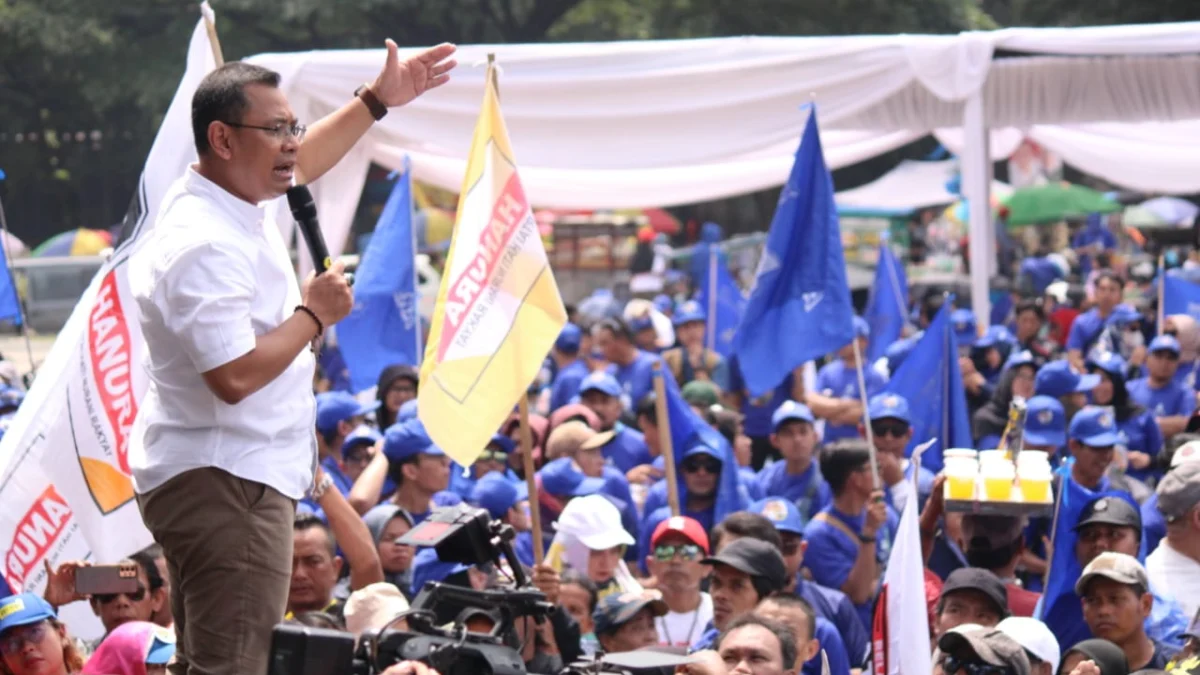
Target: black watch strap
pixel 377 108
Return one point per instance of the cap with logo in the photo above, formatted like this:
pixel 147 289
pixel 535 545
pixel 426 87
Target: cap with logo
pixel 689 528
pixel 964 326
pixel 1109 362
pixel 407 439
pixel 564 478
pixel 339 406
pixel 993 336
pixel 993 647
pixel 862 329
pixel 1179 491
pixel 1021 358
pixel 1110 511
pixel 1119 567
pixel 498 494
pixel 981 580
pixel 1057 379
pixel 782 513
pixel 1035 636
pixel 791 410
pixel 889 405
pixel 1094 426
pixel 602 382
pixel 23 610
pixel 569 339
pixel 362 435
pixel 1045 422
pixel 754 557
pixel 1164 343
pixel 617 609
pixel 689 312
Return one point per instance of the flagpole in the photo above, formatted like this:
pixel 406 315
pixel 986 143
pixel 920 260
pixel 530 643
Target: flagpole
pixel 210 24
pixel 711 332
pixel 1162 285
pixel 862 395
pixel 412 232
pixel 535 513
pixel 666 447
pixel 8 261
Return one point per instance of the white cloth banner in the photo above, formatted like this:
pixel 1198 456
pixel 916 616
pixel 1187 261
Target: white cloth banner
pixel 65 491
pixel 901 635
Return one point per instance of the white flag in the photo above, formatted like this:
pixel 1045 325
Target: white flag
pixel 65 487
pixel 901 634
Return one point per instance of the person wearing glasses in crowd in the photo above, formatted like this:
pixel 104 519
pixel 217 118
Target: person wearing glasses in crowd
pixel 891 427
pixel 677 546
pixel 113 609
pixel 32 639
pixel 980 651
pixel 397 385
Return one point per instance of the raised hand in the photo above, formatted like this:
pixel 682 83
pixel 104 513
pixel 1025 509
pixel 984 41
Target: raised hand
pixel 402 81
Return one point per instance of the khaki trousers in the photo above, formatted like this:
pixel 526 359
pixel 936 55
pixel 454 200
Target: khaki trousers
pixel 228 545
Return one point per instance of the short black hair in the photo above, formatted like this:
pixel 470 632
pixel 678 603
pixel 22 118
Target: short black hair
pixel 931 305
pixel 725 421
pixel 221 97
pixel 571 576
pixel 787 640
pixel 617 327
pixel 1031 305
pixel 797 602
pixel 842 459
pixel 746 524
pixel 648 408
pixel 1111 276
pixel 308 521
pixel 150 567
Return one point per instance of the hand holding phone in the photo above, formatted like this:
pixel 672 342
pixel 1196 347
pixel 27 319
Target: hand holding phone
pixel 107 579
pixel 60 583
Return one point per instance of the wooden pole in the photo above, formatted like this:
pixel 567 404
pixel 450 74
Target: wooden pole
pixel 1162 285
pixel 211 26
pixel 535 512
pixel 664 438
pixel 862 395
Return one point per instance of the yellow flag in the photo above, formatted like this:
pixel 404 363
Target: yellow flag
pixel 498 310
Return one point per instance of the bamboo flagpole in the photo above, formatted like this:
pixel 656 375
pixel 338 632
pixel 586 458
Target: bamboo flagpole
pixel 663 420
pixel 210 24
pixel 862 395
pixel 535 512
pixel 1162 293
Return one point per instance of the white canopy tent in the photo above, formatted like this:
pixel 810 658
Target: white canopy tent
pixel 631 124
pixel 911 185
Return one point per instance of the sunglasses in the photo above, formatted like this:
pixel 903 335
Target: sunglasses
pixel 136 596
pixel 358 457
pixel 492 456
pixel 16 637
pixel 894 428
pixel 667 552
pixel 951 666
pixel 708 465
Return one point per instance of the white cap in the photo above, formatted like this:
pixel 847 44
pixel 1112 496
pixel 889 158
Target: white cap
pixel 372 607
pixel 593 521
pixel 1035 637
pixel 1188 452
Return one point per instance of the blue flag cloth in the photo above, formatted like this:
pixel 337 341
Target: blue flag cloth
pixel 723 306
pixel 888 304
pixel 1180 296
pixel 929 379
pixel 10 305
pixel 383 328
pixel 800 306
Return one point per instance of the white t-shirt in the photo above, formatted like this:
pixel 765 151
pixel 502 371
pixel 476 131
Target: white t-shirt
pixel 681 629
pixel 1170 569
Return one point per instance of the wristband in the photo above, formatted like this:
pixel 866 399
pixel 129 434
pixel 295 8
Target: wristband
pixel 865 539
pixel 321 487
pixel 312 315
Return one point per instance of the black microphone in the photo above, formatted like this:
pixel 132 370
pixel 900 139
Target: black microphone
pixel 300 200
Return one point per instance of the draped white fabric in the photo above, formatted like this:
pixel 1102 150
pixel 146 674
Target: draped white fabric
pixel 659 123
pixel 911 185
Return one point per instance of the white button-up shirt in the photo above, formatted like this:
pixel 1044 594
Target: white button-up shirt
pixel 212 276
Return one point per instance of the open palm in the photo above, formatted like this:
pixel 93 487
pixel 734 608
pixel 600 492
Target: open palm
pixel 402 81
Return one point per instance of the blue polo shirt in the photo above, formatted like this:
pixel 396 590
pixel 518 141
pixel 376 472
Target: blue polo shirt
pixel 836 608
pixel 1085 330
pixel 1140 433
pixel 566 384
pixel 756 412
pixel 807 490
pixel 841 381
pixel 1168 401
pixel 1154 526
pixel 627 449
pixel 637 379
pixel 835 551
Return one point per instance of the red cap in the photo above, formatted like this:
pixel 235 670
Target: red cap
pixel 688 527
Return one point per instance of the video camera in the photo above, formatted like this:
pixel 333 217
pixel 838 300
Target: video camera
pixel 439 615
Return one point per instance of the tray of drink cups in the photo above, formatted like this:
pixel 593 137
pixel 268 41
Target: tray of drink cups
pixel 988 483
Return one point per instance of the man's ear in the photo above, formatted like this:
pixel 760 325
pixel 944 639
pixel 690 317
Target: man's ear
pixel 158 599
pixel 337 564
pixel 810 650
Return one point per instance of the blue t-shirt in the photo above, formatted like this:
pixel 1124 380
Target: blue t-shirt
pixel 627 449
pixel 834 647
pixel 1169 401
pixel 566 384
pixel 756 412
pixel 1185 375
pixel 1140 433
pixel 637 379
pixel 836 608
pixel 836 551
pixel 1085 330
pixel 841 381
pixel 808 491
pixel 340 480
pixel 1154 526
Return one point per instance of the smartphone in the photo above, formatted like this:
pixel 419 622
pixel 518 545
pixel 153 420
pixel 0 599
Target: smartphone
pixel 106 579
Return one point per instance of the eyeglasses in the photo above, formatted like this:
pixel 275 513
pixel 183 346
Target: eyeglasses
pixel 281 131
pixel 708 465
pixel 136 596
pixel 492 456
pixel 952 666
pixel 16 637
pixel 402 389
pixel 667 552
pixel 358 457
pixel 894 428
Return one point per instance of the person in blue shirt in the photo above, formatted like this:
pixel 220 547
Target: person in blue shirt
pixel 849 541
pixel 508 502
pixel 829 604
pixel 965 331
pixel 571 368
pixel 1091 439
pixel 839 379
pixel 691 360
pixel 338 415
pixel 796 477
pixel 1088 327
pixel 493 459
pixel 627 449
pixel 1184 329
pixel 633 367
pixel 891 427
pixel 1169 402
pixel 1138 430
pixel 420 469
pixel 1092 239
pixel 1058 379
pixel 757 411
pixel 813 633
pixel 1018 379
pixel 358 449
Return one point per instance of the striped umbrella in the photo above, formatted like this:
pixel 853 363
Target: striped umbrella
pixel 74 243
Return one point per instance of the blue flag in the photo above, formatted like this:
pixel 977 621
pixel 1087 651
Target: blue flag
pixel 724 305
pixel 930 380
pixel 1180 296
pixel 383 329
pixel 800 306
pixel 10 305
pixel 888 304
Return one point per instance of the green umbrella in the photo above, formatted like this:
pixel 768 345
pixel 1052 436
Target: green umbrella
pixel 1053 202
pixel 1140 216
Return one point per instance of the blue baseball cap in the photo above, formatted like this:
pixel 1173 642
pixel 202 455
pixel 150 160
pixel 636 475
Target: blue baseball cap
pixel 791 410
pixel 24 610
pixel 898 351
pixel 339 406
pixel 602 382
pixel 162 646
pixel 889 405
pixel 1109 362
pixel 1021 358
pixel 569 339
pixel 862 329
pixel 617 609
pixel 1164 343
pixel 563 477
pixel 503 443
pixel 782 513
pixel 497 494
pixel 1057 379
pixel 964 326
pixel 1123 314
pixel 993 336
pixel 700 448
pixel 664 303
pixel 406 439
pixel 1045 422
pixel 689 312
pixel 407 411
pixel 11 397
pixel 362 435
pixel 641 323
pixel 427 566
pixel 1095 427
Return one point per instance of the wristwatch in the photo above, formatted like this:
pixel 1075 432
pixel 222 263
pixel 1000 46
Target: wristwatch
pixel 377 108
pixel 865 539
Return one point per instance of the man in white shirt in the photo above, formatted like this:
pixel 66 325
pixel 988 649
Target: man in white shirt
pixel 223 445
pixel 1175 564
pixel 677 546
